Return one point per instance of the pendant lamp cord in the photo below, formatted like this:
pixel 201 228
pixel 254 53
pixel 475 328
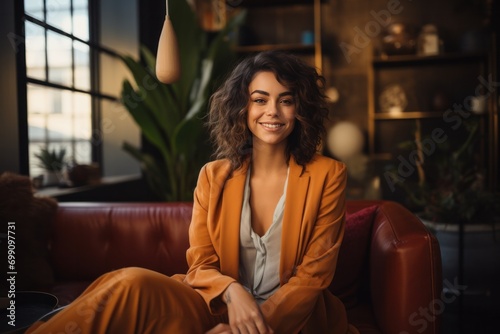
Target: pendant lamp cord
pixel 167 6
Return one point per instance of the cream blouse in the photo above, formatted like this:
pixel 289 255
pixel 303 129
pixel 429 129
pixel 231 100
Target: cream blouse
pixel 260 256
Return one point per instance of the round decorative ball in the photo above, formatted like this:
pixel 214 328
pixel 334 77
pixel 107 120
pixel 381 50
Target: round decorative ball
pixel 345 139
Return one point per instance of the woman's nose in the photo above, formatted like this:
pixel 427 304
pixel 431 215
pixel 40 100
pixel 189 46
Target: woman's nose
pixel 273 109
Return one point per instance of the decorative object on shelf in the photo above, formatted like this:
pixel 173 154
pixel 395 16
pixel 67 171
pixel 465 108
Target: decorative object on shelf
pixel 429 43
pixel 82 174
pixel 332 94
pixel 440 101
pixel 346 141
pixel 393 99
pixel 398 40
pixel 307 37
pixel 212 14
pixel 168 66
pixel 170 116
pixel 478 104
pixel 52 162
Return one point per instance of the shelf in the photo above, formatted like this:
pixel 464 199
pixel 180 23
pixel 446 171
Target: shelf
pixel 267 3
pixel 416 60
pixel 409 115
pixel 280 25
pixel 283 47
pixel 105 181
pixel 381 156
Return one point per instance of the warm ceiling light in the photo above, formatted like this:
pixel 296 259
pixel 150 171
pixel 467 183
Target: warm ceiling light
pixel 168 66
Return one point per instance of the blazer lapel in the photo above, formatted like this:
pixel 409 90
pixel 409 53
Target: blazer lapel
pixel 298 184
pixel 232 201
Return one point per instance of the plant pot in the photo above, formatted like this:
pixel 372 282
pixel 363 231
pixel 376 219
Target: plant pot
pixel 50 178
pixel 481 258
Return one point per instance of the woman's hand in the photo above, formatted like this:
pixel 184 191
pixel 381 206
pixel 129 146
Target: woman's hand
pixel 244 313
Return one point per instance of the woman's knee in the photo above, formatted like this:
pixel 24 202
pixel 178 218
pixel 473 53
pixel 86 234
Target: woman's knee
pixel 145 281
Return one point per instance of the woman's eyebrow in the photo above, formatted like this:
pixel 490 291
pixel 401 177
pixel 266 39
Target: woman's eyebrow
pixel 258 91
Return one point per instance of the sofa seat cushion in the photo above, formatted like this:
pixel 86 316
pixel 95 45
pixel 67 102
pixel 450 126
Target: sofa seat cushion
pixel 361 316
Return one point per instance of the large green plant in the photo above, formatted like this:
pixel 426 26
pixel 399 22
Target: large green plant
pixel 170 116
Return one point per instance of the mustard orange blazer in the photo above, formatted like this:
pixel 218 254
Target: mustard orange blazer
pixel 313 228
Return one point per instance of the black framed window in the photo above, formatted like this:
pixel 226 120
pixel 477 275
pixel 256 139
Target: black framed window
pixel 62 76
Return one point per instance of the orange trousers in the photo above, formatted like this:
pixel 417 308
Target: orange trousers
pixel 133 300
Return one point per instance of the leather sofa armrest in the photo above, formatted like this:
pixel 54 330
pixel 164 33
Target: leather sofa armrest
pixel 405 273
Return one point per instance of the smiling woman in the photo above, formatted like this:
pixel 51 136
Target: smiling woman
pixel 268 220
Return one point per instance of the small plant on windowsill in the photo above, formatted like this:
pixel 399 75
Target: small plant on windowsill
pixel 52 162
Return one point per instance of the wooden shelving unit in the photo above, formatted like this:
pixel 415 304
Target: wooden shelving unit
pixel 281 30
pixel 405 70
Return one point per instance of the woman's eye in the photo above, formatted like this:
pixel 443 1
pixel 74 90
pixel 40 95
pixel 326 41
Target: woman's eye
pixel 287 102
pixel 259 101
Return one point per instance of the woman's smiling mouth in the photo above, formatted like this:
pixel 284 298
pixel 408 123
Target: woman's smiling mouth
pixel 272 125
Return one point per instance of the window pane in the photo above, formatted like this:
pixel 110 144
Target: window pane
pixel 37 126
pixel 112 72
pixel 82 152
pixel 43 100
pixel 82 117
pixel 81 19
pixel 82 65
pixel 60 59
pixel 34 8
pixel 34 148
pixel 59 119
pixel 35 51
pixel 59 14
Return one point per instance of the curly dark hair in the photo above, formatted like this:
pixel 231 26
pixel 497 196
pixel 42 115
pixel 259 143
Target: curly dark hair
pixel 227 117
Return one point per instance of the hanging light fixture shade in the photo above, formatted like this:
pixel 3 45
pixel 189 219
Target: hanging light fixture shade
pixel 168 65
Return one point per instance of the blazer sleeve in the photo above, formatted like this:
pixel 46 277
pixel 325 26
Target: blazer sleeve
pixel 289 308
pixel 204 267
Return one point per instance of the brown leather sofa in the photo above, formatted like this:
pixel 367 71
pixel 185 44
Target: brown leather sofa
pixel 401 281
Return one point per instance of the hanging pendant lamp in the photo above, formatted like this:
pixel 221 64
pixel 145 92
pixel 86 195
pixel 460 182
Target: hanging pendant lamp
pixel 168 66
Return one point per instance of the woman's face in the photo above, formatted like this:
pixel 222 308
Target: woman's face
pixel 271 110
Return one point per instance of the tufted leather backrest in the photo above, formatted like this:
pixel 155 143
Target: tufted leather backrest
pixel 90 239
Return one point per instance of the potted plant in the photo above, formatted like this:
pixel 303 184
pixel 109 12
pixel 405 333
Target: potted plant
pixel 451 186
pixel 170 116
pixel 448 194
pixel 52 161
